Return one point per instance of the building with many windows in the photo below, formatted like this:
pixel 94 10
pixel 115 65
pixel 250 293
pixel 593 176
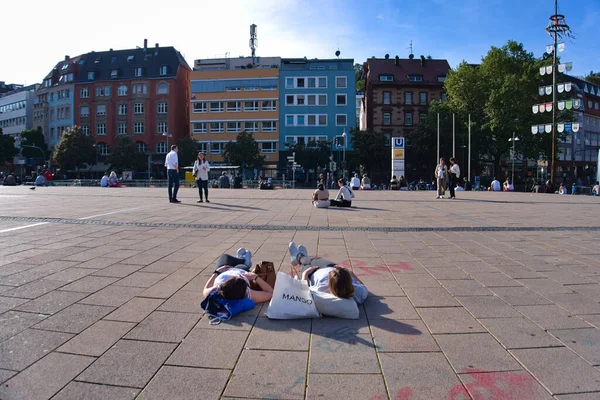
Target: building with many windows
pixel 398 92
pixel 141 92
pixel 16 110
pixel 229 96
pixel 317 100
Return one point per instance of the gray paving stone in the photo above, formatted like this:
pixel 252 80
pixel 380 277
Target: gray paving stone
pixel 162 326
pixel 74 318
pixel 34 289
pixel 200 346
pixel 91 391
pixel 349 387
pixel 343 353
pixel 184 301
pixel 71 274
pixel 112 296
pixel 520 296
pixel 44 378
pixel 141 279
pixel 182 383
pixel 552 317
pixel 280 335
pixel 239 323
pixel 450 320
pixel 504 385
pixel 273 381
pixel 515 333
pixel 98 338
pixel 51 303
pixel 135 310
pixel 576 303
pixel 479 352
pixel 545 286
pixel 399 336
pixel 410 376
pixel 385 289
pixel 118 270
pixel 164 267
pixel 487 307
pixel 128 363
pixel 422 280
pixel 591 291
pixel 389 308
pixel 469 287
pixel 566 277
pixel 89 284
pixel 593 319
pixel 431 297
pixel 491 279
pixel 579 396
pixel 585 342
pixel 8 303
pixel 13 322
pixel 330 325
pixel 559 369
pixel 448 273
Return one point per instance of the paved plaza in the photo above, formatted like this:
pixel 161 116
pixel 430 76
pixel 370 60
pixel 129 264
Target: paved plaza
pixel 491 296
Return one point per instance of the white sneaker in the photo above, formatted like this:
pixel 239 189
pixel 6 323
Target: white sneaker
pixel 293 253
pixel 441 197
pixel 248 258
pixel 438 197
pixel 240 253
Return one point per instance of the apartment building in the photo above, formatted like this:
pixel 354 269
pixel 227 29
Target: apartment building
pixel 231 95
pixel 16 109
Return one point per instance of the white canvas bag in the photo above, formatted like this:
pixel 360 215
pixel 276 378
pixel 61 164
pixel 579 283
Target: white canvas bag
pixel 291 299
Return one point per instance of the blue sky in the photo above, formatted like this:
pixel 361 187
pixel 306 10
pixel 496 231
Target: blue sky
pixel 451 29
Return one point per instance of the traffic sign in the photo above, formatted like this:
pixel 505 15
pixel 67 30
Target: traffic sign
pixel 398 143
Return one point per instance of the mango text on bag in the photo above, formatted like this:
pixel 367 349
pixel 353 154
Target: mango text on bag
pixel 296 298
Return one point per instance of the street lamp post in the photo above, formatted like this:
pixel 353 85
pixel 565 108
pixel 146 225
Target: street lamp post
pixel 167 135
pixel 344 159
pixel 513 140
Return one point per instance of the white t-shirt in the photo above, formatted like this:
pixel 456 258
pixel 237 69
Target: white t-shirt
pixel 319 281
pixel 355 182
pixel 231 273
pixel 344 193
pixel 496 187
pixel 104 181
pixel 171 160
pixel 455 169
pixel 201 170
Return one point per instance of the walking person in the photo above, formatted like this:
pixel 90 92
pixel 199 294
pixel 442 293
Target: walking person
pixel 454 175
pixel 200 172
pixel 172 164
pixel 440 175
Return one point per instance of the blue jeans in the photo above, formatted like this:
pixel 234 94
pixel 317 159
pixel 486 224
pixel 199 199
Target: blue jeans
pixel 173 178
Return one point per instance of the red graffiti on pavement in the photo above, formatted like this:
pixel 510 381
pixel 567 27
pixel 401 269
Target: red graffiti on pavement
pixel 404 393
pixel 497 385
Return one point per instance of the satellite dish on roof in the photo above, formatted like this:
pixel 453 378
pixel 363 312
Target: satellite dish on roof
pixel 337 53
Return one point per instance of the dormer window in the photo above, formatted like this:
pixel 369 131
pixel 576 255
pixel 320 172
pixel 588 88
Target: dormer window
pixel 386 78
pixel 114 73
pixel 114 60
pixel 97 60
pixel 130 58
pixel 91 75
pixel 441 79
pixel 163 70
pixel 415 78
pixel 65 67
pixel 138 71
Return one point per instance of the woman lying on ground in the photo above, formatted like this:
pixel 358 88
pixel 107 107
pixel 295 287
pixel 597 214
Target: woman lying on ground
pixel 326 276
pixel 232 279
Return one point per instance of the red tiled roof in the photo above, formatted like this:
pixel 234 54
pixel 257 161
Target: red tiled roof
pixel 429 69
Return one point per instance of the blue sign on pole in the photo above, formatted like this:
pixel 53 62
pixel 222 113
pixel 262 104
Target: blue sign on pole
pixel 398 143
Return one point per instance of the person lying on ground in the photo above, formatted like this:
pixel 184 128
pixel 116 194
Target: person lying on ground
pixel 326 276
pixel 232 278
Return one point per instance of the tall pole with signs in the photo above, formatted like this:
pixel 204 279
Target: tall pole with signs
pixel 398 156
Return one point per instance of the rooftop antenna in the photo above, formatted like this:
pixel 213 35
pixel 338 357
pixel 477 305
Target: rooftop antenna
pixel 411 50
pixel 337 52
pixel 253 42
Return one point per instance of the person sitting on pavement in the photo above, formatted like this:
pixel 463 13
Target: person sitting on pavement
pixel 326 276
pixel 596 189
pixel 403 183
pixel 508 186
pixel 232 277
pixel 355 182
pixel 40 180
pixel 366 183
pixel 321 197
pixel 224 181
pixel 104 180
pixel 458 188
pixel 562 189
pixel 238 182
pixel 468 185
pixel 344 196
pixel 495 186
pixel 394 183
pixel 10 180
pixel 113 181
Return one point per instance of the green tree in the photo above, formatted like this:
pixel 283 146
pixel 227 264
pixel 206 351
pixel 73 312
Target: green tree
pixel 75 150
pixel 244 152
pixel 593 77
pixel 311 156
pixel 125 155
pixel 34 137
pixel 188 151
pixel 358 72
pixel 371 152
pixel 7 148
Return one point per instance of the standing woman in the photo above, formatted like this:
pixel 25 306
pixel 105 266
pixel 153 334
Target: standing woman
pixel 201 168
pixel 454 173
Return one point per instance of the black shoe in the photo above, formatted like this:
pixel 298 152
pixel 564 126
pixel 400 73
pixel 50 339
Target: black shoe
pixel 176 201
pixel 200 201
pixel 207 201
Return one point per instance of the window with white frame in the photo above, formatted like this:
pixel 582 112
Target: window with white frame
pixel 423 98
pixel 162 108
pixel 251 126
pixel 161 127
pixel 387 118
pixel 387 97
pixel 103 149
pixel 84 111
pixel 322 119
pixel 290 120
pixel 340 100
pixel 162 70
pixel 100 129
pixel 162 88
pixel 199 107
pixel 251 105
pixel 312 83
pixel 386 78
pixel 91 75
pixel 141 147
pixel 234 106
pixel 415 78
pixel 289 83
pixel 322 82
pixel 301 120
pixel 203 146
pixel 114 73
pixel 269 147
pixel 138 128
pixel 99 91
pixel 139 71
pixel 84 93
pixel 101 109
pixel 269 88
pixel 251 89
pixel 269 105
pixel 300 82
pixel 233 89
pixel 138 108
pixel 122 109
pixel 289 100
pixel 234 126
pixel 341 82
pixel 408 118
pixel 122 129
pixel 408 98
pixel 199 127
pixel 161 148
pixel 122 90
pixel 85 129
pixel 300 99
pixel 216 147
pixel 311 120
pixel 269 126
pixel 139 88
pixel 341 119
pixel 216 127
pixel 216 106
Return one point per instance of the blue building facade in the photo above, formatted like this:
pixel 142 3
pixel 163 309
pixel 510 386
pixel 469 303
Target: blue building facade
pixel 317 100
pixel 60 112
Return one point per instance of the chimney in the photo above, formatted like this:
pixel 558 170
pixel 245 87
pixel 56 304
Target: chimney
pixel 145 44
pixel 156 46
pixel 397 62
pixel 422 60
pixel 67 58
